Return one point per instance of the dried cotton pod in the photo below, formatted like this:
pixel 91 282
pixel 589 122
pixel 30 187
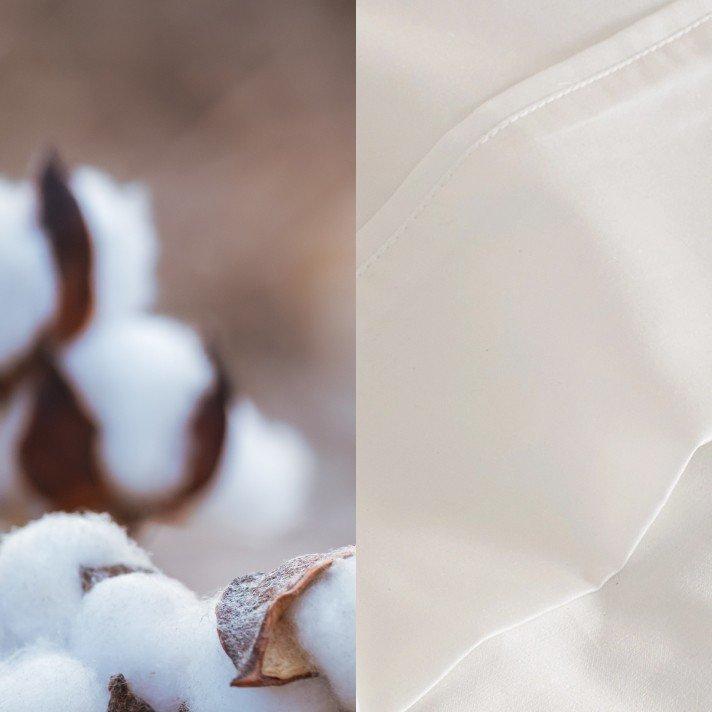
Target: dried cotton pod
pixel 73 250
pixel 129 418
pixel 255 628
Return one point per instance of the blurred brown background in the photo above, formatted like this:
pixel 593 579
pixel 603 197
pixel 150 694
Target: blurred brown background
pixel 240 118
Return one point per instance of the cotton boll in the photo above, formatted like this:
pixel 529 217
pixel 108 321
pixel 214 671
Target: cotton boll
pixel 40 578
pixel 50 681
pixel 264 478
pixel 140 626
pixel 123 249
pixel 207 685
pixel 28 287
pixel 141 379
pixel 123 239
pixel 325 619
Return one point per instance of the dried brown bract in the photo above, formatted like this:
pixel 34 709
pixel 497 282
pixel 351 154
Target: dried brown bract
pixel 121 699
pixel 252 626
pixel 59 449
pixel 62 220
pixel 92 575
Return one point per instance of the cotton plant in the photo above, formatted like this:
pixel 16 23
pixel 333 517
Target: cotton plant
pixel 106 406
pixel 128 418
pixel 135 417
pixel 87 623
pixel 74 249
pixel 121 410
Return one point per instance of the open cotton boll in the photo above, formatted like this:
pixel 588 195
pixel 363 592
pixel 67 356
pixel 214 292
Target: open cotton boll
pixel 141 379
pixel 50 681
pixel 325 620
pixel 124 242
pixel 40 571
pixel 140 626
pixel 207 685
pixel 28 286
pixel 264 478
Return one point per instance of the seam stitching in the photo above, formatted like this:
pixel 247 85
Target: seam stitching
pixel 443 182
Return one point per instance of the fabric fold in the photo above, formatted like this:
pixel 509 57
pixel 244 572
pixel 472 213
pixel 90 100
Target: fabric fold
pixel 640 642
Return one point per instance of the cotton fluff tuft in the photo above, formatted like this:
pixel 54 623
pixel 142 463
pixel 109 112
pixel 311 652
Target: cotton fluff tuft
pixel 50 681
pixel 141 378
pixel 124 242
pixel 325 620
pixel 40 582
pixel 139 625
pixel 207 684
pixel 7 646
pixel 264 478
pixel 28 288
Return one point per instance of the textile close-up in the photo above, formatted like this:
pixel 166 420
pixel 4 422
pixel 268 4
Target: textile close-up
pixel 534 356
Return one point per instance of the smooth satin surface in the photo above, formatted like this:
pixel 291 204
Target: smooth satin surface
pixel 642 642
pixel 534 351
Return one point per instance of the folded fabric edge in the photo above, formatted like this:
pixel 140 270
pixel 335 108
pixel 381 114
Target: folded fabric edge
pixel 434 171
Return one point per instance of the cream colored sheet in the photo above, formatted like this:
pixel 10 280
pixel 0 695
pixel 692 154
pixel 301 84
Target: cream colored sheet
pixel 534 340
pixel 642 642
pixel 423 66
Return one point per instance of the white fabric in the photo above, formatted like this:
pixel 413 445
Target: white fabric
pixel 642 642
pixel 534 336
pixel 424 65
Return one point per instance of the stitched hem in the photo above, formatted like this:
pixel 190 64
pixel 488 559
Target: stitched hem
pixel 513 118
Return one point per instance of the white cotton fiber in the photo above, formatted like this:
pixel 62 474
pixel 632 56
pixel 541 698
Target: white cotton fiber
pixel 325 619
pixel 28 290
pixel 141 377
pixel 7 644
pixel 124 241
pixel 140 626
pixel 40 582
pixel 264 478
pixel 64 644
pixel 43 680
pixel 207 686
